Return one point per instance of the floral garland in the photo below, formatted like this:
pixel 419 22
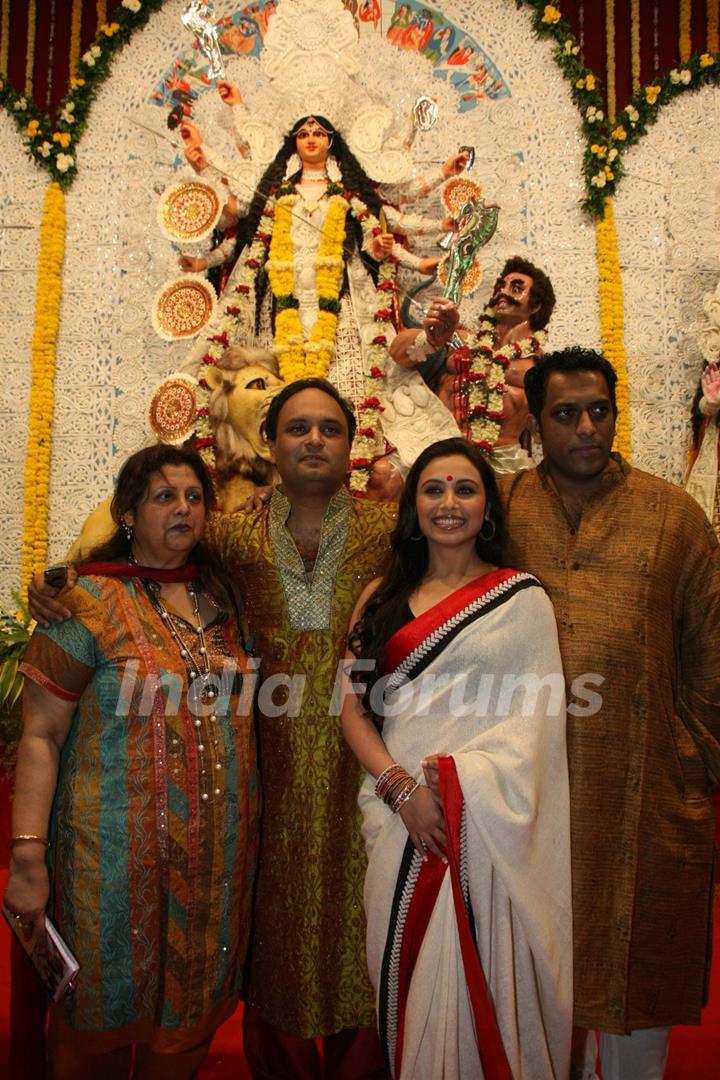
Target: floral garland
pixel 298 358
pixel 239 314
pixel 52 144
pixel 47 318
pixel 606 141
pixel 487 379
pixel 612 319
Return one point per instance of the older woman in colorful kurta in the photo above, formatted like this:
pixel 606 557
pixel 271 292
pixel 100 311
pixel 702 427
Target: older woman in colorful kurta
pixel 147 759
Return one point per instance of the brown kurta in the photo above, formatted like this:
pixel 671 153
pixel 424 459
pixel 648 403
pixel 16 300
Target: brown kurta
pixel 636 591
pixel 308 967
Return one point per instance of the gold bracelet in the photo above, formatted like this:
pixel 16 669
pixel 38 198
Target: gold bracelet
pixel 28 836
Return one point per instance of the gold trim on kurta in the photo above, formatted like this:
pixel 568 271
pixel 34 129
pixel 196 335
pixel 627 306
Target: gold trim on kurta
pixel 309 595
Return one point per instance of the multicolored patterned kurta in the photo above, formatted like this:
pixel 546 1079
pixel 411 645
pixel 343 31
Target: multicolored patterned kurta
pixel 152 881
pixel 308 969
pixel 636 592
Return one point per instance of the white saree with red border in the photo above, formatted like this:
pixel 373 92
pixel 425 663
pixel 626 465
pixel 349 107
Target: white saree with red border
pixel 472 960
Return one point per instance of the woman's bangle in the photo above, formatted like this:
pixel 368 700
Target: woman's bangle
pixel 387 780
pixel 23 837
pixel 384 774
pixel 404 795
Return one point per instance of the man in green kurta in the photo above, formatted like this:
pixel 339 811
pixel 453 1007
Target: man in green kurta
pixel 299 565
pixel 631 566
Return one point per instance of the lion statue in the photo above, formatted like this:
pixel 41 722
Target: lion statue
pixel 242 386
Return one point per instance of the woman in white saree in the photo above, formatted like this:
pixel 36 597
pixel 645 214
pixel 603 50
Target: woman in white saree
pixel 462 731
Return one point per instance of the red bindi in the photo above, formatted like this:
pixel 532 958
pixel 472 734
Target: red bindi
pixel 448 477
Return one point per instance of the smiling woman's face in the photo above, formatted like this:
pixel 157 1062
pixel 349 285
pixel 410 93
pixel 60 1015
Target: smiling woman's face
pixel 169 519
pixel 450 501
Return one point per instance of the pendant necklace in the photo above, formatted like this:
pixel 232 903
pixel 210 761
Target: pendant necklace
pixel 208 693
pixel 311 205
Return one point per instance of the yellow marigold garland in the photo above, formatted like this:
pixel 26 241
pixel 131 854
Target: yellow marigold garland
pixel 612 318
pixel 297 358
pixel 47 317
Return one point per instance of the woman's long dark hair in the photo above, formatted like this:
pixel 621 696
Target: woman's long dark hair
pixel 386 610
pixel 354 178
pixel 132 484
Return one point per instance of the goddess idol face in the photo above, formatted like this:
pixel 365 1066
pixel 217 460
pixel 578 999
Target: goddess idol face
pixel 312 142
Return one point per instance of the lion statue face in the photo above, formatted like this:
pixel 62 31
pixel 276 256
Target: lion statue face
pixel 243 384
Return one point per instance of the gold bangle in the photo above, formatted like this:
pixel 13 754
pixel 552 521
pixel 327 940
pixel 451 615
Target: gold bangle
pixel 28 836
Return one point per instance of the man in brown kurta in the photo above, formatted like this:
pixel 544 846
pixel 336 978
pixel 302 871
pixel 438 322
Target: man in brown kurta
pixel 631 565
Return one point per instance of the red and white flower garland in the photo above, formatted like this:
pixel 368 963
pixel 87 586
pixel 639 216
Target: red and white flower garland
pixel 487 379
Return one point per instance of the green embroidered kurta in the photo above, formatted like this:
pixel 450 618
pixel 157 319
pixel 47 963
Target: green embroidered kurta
pixel 636 592
pixel 308 968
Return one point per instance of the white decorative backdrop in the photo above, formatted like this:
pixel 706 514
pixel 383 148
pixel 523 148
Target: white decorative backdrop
pixel 22 187
pixel 529 151
pixel 668 221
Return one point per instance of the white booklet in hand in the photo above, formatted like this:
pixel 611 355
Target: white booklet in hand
pixel 52 959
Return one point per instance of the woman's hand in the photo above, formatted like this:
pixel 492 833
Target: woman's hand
pixel 711 383
pixel 229 92
pixel 195 156
pixel 192 265
pixel 28 888
pixel 455 164
pixel 382 245
pixel 430 265
pixel 431 773
pixel 424 822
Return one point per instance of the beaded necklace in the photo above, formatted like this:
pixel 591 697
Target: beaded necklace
pixel 207 693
